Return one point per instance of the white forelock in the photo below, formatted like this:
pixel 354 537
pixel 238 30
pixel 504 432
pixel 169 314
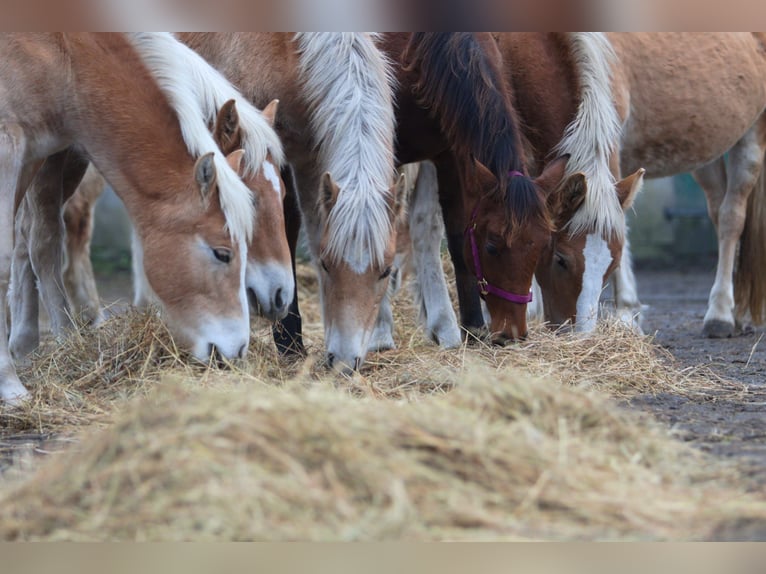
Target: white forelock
pixel 349 85
pixel 197 91
pixel 593 135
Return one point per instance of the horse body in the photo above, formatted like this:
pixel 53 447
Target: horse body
pixel 688 99
pixel 336 118
pixel 67 95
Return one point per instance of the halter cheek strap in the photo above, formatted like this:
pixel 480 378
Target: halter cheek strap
pixel 484 287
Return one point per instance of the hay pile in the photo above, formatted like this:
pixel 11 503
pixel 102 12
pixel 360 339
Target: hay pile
pixel 503 455
pixel 478 442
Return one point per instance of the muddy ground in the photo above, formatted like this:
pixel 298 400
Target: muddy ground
pixel 726 424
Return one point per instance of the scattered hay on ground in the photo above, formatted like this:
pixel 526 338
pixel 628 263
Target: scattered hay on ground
pixel 502 456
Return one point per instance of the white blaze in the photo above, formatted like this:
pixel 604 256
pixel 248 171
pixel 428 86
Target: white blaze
pixel 597 261
pixel 271 174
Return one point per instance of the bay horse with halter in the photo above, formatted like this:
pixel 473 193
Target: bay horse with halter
pixel 336 123
pixel 455 109
pixel 704 111
pixel 72 97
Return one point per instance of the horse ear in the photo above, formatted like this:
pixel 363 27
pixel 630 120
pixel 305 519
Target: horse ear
pixel 571 195
pixel 552 175
pixel 234 159
pixel 486 179
pixel 270 112
pixel 328 194
pixel 227 133
pixel 628 188
pixel 205 175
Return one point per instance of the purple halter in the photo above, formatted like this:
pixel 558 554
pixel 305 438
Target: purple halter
pixel 484 287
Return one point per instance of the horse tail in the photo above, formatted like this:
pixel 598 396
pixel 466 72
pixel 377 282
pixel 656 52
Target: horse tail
pixel 459 77
pixel 750 274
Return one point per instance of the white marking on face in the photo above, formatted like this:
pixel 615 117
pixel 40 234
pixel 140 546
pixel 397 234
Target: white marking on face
pixel 597 261
pixel 270 173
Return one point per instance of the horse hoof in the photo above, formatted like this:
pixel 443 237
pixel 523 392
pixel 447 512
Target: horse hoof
pixel 717 329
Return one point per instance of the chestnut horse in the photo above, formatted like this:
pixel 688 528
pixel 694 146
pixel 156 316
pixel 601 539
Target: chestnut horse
pixel 68 95
pixel 706 99
pixel 454 108
pixel 563 93
pixel 337 125
pixel 268 275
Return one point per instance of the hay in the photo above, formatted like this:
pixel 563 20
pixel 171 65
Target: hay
pixel 478 442
pixel 502 456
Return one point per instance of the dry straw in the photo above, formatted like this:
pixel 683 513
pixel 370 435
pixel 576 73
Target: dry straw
pixel 479 442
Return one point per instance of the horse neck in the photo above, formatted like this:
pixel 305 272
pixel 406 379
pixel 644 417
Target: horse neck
pixel 124 121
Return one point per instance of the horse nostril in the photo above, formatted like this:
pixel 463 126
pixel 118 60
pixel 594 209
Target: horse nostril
pixel 357 363
pixel 330 359
pixel 242 351
pixel 278 301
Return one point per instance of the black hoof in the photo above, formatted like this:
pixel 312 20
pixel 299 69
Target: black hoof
pixel 717 329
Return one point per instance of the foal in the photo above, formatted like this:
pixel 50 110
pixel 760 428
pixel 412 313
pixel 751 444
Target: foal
pixel 68 95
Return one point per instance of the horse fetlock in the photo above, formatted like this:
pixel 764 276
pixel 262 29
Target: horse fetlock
pixel 23 341
pixel 12 392
pixel 445 331
pixel 382 338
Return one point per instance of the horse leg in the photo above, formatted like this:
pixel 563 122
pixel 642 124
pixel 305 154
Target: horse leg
pixel 455 219
pixel 288 332
pixel 728 214
pixel 627 306
pixel 45 199
pixel 14 178
pixel 426 232
pixel 78 271
pixel 23 297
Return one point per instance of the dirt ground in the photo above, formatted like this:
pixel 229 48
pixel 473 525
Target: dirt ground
pixel 725 424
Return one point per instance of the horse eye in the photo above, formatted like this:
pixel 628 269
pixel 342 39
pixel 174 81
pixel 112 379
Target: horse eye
pixel 386 273
pixel 222 254
pixel 324 265
pixel 492 250
pixel 561 261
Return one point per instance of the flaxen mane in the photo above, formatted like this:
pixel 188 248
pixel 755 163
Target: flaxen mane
pixel 348 83
pixel 593 136
pixel 197 91
pixel 464 87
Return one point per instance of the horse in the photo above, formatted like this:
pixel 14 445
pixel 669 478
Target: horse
pixel 68 98
pixel 455 109
pixel 704 112
pixel 563 93
pixel 337 127
pixel 268 277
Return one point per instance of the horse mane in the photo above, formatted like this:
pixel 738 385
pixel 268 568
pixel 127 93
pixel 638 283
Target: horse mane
pixel 465 89
pixel 593 136
pixel 196 91
pixel 349 86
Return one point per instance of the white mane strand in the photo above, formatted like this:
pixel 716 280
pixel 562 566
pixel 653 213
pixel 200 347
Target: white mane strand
pixel 197 91
pixel 593 135
pixel 349 85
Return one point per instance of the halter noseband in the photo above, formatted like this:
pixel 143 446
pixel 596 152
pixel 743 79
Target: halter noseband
pixel 484 287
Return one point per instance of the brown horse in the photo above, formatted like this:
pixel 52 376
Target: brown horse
pixel 268 277
pixel 67 95
pixel 562 91
pixel 454 107
pixel 337 125
pixel 706 98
